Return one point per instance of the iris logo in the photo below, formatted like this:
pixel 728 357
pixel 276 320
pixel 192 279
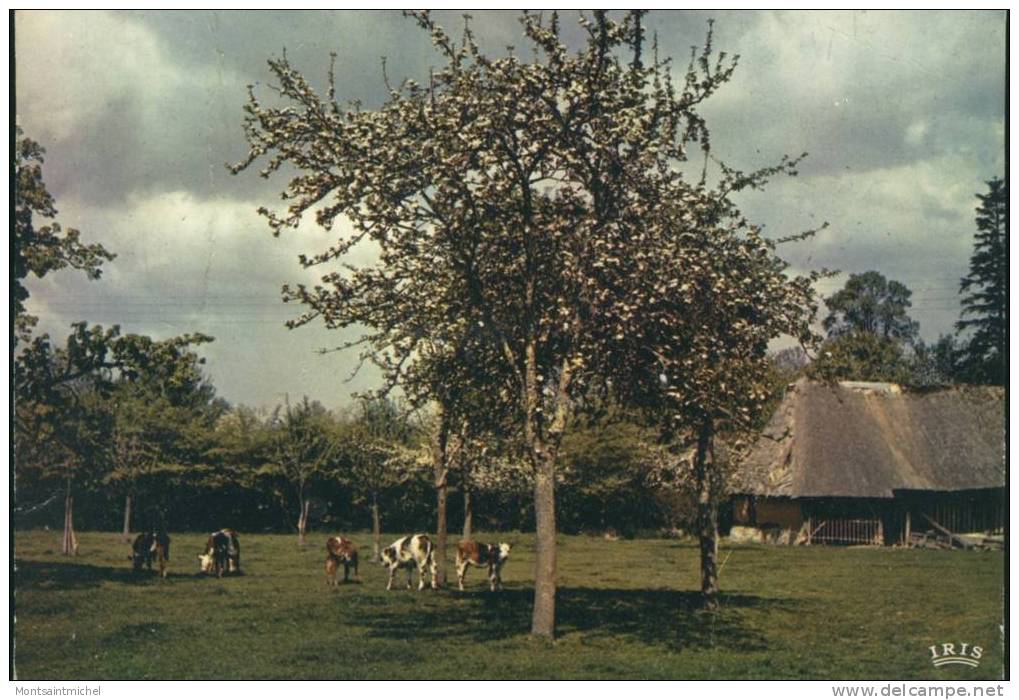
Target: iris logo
pixel 946 655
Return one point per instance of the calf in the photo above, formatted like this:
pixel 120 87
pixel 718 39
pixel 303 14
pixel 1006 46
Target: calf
pixel 407 553
pixel 222 554
pixel 493 556
pixel 148 546
pixel 340 550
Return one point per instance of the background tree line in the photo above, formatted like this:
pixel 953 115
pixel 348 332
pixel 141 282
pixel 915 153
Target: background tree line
pixel 143 462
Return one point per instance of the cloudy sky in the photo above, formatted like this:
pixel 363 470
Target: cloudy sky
pixel 902 115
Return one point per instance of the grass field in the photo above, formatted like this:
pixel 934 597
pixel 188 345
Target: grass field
pixel 626 609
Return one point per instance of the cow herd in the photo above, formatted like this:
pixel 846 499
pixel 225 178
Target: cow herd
pixel 222 555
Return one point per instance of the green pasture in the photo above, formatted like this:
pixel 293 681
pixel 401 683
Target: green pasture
pixel 626 609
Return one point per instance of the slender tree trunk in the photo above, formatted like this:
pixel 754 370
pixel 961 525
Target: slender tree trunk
pixel 468 513
pixel 126 534
pixel 441 459
pixel 302 522
pixel 376 530
pixel 440 537
pixel 707 515
pixel 69 545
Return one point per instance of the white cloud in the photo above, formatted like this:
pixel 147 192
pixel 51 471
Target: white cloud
pixel 187 264
pixel 912 222
pixel 119 112
pixel 846 86
pixel 72 67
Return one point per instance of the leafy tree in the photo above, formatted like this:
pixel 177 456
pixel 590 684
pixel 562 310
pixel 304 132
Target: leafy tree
pixel 132 456
pixel 869 303
pixel 439 379
pixel 304 451
pixel 470 415
pixel 164 415
pixel 984 308
pixel 238 465
pixel 240 436
pixel 867 357
pixel 934 364
pixel 872 338
pixel 41 249
pixel 492 457
pixel 480 470
pixel 59 417
pixel 379 454
pixel 861 357
pixel 605 479
pixel 61 443
pixel 522 200
pixel 701 368
pixel 64 424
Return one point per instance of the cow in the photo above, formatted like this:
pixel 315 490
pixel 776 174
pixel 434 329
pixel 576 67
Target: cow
pixel 413 551
pixel 222 554
pixel 148 546
pixel 493 556
pixel 340 550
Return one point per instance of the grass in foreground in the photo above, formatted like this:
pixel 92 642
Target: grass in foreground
pixel 626 609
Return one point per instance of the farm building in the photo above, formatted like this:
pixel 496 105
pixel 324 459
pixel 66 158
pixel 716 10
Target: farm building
pixel 869 463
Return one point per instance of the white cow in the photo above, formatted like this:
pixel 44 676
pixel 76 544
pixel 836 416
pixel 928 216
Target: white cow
pixel 413 551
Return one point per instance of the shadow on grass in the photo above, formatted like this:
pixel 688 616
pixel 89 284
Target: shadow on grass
pixel 138 633
pixel 674 619
pixel 67 576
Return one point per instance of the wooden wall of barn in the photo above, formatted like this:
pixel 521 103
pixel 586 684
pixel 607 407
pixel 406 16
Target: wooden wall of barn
pixel 854 521
pixel 960 512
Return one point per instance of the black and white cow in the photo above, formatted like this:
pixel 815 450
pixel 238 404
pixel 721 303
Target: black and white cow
pixel 149 546
pixel 413 551
pixel 469 553
pixel 222 554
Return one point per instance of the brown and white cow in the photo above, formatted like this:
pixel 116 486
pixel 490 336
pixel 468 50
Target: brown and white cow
pixel 148 546
pixel 340 550
pixel 413 551
pixel 493 556
pixel 222 554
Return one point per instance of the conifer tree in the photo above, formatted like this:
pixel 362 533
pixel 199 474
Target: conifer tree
pixel 984 308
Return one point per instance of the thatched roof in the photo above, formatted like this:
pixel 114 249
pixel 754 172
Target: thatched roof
pixel 868 440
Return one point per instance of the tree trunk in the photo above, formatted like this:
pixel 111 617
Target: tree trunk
pixel 302 522
pixel 544 448
pixel 126 534
pixel 441 459
pixel 707 515
pixel 543 615
pixel 440 537
pixel 468 513
pixel 70 542
pixel 376 530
